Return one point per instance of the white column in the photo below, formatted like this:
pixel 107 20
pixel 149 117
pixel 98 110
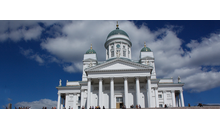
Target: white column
pixel 100 92
pixel 126 91
pixel 89 94
pixel 58 101
pixel 149 91
pixel 156 97
pixel 164 97
pixel 182 100
pixel 82 98
pixel 137 91
pixel 173 98
pixel 74 101
pixel 112 94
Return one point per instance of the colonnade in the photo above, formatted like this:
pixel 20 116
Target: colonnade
pixel 112 103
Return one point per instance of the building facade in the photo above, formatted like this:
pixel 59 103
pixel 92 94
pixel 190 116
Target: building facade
pixel 120 81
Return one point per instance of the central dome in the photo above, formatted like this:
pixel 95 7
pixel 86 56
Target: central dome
pixel 116 32
pixel 117 35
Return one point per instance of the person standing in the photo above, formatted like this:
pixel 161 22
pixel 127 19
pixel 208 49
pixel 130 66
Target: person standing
pixel 139 106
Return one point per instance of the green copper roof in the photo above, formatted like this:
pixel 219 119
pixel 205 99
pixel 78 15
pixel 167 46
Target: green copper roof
pixel 117 31
pixel 145 49
pixel 91 51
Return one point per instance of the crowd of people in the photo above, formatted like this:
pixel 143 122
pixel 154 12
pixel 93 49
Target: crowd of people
pixel 98 107
pixel 29 107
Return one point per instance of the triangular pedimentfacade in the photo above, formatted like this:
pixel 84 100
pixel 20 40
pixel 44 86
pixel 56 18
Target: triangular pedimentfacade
pixel 119 64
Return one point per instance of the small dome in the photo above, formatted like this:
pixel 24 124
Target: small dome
pixel 145 49
pixel 116 32
pixel 91 51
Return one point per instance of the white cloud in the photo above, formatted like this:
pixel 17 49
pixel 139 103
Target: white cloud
pixel 69 69
pixel 26 34
pixel 70 41
pixel 38 104
pixel 30 54
pixel 25 29
pixel 164 42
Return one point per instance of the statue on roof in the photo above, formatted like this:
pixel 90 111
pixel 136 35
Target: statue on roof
pixel 179 81
pixel 60 82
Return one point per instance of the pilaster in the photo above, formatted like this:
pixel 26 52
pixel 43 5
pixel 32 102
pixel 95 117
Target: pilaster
pixel 156 97
pixel 149 91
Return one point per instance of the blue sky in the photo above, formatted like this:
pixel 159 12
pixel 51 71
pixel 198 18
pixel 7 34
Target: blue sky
pixel 36 54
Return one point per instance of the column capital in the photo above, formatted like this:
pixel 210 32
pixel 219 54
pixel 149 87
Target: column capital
pixel 164 91
pixel 112 78
pixel 172 91
pixel 181 91
pixel 125 77
pixel 137 77
pixel 100 79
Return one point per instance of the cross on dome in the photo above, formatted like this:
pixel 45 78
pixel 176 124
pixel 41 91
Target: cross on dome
pixel 117 25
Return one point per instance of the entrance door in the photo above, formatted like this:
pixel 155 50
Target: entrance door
pixel 119 102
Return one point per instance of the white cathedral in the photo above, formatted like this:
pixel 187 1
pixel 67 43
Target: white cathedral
pixel 120 81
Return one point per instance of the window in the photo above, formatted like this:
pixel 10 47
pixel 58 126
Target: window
pixel 124 53
pixel 160 96
pixel 119 99
pixel 112 46
pixel 123 47
pixel 160 105
pixel 112 53
pixel 79 98
pixel 118 53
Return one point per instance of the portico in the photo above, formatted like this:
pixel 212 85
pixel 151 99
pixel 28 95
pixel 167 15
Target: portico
pixel 126 87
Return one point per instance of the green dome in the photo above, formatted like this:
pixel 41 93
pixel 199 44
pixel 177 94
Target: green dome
pixel 145 49
pixel 117 31
pixel 91 51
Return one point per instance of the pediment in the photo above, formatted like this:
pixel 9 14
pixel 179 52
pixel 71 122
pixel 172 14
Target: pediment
pixel 119 64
